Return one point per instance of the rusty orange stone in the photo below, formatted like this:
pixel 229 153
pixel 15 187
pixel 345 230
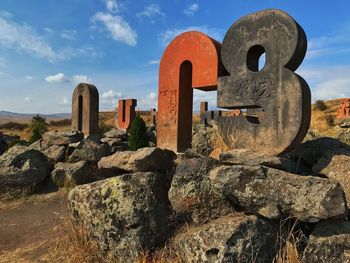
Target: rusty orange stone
pixel 344 110
pixel 191 61
pixel 126 113
pixel 236 112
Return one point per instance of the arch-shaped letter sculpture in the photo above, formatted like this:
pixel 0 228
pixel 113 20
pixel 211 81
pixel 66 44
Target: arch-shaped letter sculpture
pixel 85 107
pixel 277 100
pixel 126 113
pixel 191 60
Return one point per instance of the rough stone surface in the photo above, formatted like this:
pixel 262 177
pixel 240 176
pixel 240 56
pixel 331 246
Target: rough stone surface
pixel 3 145
pixel 278 101
pixel 201 140
pixel 56 153
pixel 336 166
pixel 127 214
pixel 85 109
pixel 72 174
pixel 61 138
pixel 246 157
pixel 143 160
pixel 310 152
pixel 191 194
pixel 329 243
pixel 191 61
pixel 21 169
pixel 90 151
pixel 272 193
pixel 232 238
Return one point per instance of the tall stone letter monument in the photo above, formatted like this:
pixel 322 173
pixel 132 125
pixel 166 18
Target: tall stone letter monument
pixel 85 109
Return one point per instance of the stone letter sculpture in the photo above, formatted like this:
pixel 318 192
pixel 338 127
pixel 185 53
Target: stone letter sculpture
pixel 277 100
pixel 85 109
pixel 126 113
pixel 191 61
pixel 344 110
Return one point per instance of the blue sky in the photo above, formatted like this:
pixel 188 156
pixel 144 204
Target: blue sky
pixel 48 46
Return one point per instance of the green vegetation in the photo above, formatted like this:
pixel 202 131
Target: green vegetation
pixel 138 134
pixel 320 105
pixel 37 128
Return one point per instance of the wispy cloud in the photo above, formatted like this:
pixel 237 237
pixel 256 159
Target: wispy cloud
pixel 68 34
pixel 151 11
pixel 117 26
pixel 191 9
pixel 81 79
pixel 58 78
pixel 153 62
pixel 112 6
pixel 170 34
pixel 28 99
pixel 24 38
pixel 28 77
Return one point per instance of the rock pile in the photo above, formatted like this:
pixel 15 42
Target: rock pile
pixel 225 210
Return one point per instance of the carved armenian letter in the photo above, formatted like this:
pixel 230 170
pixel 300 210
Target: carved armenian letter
pixel 85 109
pixel 191 61
pixel 126 113
pixel 276 99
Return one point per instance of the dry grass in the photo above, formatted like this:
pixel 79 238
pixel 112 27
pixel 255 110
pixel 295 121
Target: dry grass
pixel 74 245
pixel 288 243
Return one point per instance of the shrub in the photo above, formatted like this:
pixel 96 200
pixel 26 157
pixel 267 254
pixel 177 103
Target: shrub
pixel 38 126
pixel 320 105
pixel 13 126
pixel 138 134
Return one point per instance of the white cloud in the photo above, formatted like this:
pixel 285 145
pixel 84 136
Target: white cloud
pixel 28 77
pixel 191 9
pixel 117 27
pixel 327 83
pixel 24 38
pixel 5 14
pixel 149 101
pixel 28 99
pixel 48 30
pixel 65 102
pixel 151 11
pixel 153 62
pixel 68 34
pixel 170 34
pixel 58 78
pixel 110 97
pixel 81 79
pixel 112 6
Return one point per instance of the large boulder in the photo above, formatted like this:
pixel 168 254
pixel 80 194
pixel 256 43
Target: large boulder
pixel 246 157
pixel 191 194
pixel 272 193
pixel 232 238
pixel 127 214
pixel 73 174
pixel 336 166
pixel 21 169
pixel 89 151
pixel 61 138
pixel 143 160
pixel 330 242
pixel 56 153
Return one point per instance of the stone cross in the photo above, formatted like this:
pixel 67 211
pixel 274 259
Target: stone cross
pixel 85 109
pixel 126 113
pixel 344 110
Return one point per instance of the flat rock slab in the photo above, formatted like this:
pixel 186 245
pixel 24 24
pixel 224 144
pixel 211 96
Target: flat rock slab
pixel 336 166
pixel 272 193
pixel 191 194
pixel 232 238
pixel 72 174
pixel 143 160
pixel 330 242
pixel 127 214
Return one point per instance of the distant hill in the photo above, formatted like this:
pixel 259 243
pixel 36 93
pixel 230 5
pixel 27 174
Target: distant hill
pixel 8 114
